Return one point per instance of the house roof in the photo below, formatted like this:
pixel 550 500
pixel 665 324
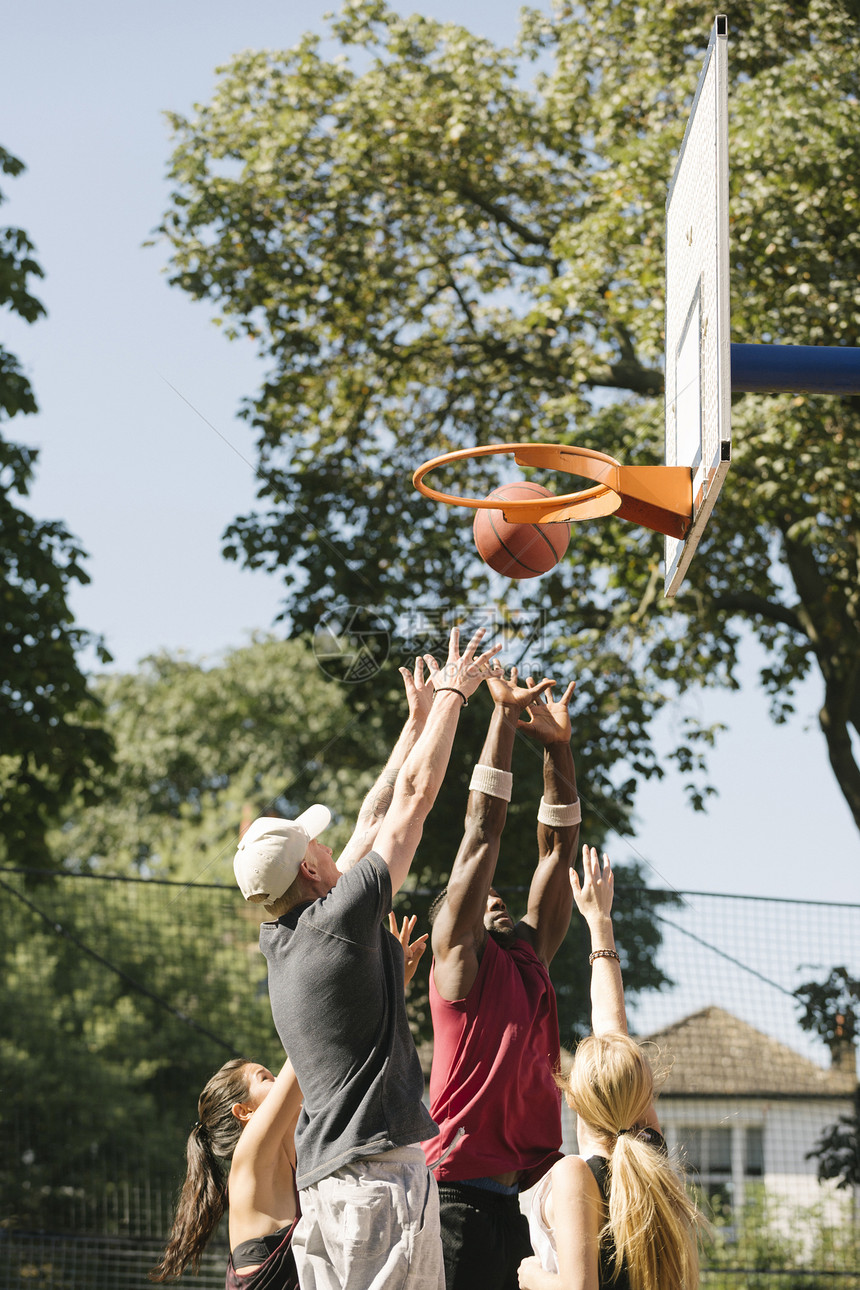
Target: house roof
pixel 713 1053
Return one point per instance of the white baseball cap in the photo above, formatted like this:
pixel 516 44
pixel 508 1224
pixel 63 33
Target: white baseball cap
pixel 271 851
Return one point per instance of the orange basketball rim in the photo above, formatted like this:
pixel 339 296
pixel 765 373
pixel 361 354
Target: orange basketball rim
pixel 657 497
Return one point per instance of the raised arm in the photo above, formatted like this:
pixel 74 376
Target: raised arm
pixel 593 898
pixel 419 695
pixel 421 775
pixel 550 903
pixel 459 933
pixel 262 1193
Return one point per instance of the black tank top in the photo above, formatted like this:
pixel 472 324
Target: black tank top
pixel 599 1167
pixel 274 1253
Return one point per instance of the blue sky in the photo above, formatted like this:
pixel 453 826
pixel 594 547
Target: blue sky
pixel 128 373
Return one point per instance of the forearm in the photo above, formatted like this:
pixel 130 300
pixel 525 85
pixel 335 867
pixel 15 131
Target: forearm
pixel 557 841
pixel 379 799
pixel 537 1279
pixel 499 742
pixel 608 1014
pixel 423 769
pixel 486 812
pixel 559 774
pixel 550 896
pixel 417 786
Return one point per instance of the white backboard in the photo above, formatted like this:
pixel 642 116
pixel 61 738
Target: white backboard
pixel 698 339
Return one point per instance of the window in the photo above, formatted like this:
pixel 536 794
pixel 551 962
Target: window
pixel 754 1154
pixel 722 1161
pixel 707 1157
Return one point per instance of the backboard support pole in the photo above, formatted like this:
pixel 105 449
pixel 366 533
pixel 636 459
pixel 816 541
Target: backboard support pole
pixel 795 369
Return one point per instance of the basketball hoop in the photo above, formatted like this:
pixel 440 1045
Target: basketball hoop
pixel 657 497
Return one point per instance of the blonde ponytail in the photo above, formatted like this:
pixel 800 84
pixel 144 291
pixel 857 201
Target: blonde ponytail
pixel 652 1222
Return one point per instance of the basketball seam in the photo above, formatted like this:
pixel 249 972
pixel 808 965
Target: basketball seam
pixel 536 528
pixel 538 491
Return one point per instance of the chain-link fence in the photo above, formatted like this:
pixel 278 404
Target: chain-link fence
pixel 120 998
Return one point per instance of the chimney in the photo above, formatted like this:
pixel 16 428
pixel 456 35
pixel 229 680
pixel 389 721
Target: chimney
pixel 843 1056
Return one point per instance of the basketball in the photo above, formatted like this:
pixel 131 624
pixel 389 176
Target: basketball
pixel 519 550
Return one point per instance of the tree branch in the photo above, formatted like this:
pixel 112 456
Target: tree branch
pixel 834 727
pixel 748 602
pixel 502 216
pixel 626 376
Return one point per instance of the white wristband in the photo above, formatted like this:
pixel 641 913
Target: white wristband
pixel 495 783
pixel 559 817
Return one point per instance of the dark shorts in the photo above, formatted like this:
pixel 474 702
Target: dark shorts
pixel 484 1238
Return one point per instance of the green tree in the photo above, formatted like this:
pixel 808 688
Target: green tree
pixel 432 254
pixel 197 747
pixel 52 743
pixel 120 1000
pixel 265 729
pixel 830 1010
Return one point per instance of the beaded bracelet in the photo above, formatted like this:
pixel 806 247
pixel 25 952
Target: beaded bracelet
pixel 603 954
pixel 454 690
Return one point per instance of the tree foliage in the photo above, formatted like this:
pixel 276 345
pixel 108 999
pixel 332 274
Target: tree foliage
pixel 432 253
pixel 120 1000
pixel 265 729
pixel 198 746
pixel 52 744
pixel 831 1010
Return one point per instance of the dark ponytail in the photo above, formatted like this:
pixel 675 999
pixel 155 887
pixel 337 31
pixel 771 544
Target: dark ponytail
pixel 203 1198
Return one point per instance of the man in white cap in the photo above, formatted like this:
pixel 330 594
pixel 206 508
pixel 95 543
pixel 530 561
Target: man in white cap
pixel 370 1211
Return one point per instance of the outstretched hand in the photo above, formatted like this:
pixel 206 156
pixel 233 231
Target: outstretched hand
pixel 594 894
pixel 419 691
pixel 546 718
pixel 510 695
pixel 465 672
pixel 412 950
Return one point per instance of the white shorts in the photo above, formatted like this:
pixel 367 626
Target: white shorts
pixel 372 1224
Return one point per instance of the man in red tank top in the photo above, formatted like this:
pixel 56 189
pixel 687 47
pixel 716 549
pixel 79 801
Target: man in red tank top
pixel 495 1026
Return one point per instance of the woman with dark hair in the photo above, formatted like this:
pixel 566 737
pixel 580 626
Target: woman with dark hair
pixel 616 1215
pixel 247 1117
pixel 247 1120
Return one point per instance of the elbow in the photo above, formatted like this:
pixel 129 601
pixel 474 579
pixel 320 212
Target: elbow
pixel 416 793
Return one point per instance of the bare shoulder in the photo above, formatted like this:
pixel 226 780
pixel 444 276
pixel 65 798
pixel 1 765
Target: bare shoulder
pixel 570 1171
pixel 571 1177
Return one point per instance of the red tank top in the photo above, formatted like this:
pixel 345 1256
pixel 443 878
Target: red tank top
pixel 492 1091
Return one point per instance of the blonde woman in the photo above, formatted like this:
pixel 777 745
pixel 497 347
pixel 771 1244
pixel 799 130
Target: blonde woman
pixel 617 1214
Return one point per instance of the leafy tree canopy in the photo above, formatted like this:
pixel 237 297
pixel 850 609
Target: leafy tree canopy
pixel 197 747
pixel 52 744
pixel 433 253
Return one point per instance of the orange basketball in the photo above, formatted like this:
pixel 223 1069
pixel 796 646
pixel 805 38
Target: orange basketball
pixel 519 550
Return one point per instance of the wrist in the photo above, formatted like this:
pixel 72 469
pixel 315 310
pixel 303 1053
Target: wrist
pixel 491 781
pixel 561 815
pixel 602 932
pixel 443 693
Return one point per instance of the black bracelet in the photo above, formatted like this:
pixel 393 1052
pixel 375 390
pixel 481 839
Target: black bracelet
pixel 454 690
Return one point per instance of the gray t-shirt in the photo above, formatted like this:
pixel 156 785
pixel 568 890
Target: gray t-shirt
pixel 336 989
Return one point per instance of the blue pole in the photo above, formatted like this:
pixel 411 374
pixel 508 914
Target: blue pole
pixel 801 369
